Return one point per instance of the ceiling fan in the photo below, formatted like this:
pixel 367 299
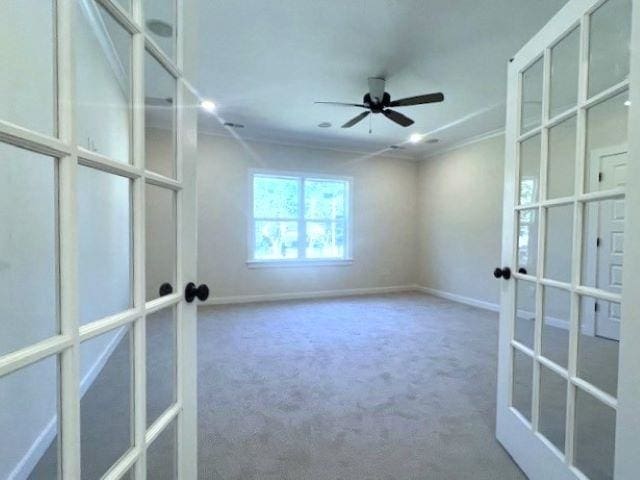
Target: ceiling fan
pixel 379 101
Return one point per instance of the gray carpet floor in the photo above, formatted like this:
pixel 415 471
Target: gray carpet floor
pixel 391 387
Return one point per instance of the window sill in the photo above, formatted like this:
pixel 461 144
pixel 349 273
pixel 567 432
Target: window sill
pixel 299 263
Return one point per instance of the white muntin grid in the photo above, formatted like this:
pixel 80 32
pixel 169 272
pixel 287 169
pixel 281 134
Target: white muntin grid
pixel 580 198
pixel 65 151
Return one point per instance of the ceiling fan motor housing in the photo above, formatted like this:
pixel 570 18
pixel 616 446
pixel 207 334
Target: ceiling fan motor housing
pixel 377 107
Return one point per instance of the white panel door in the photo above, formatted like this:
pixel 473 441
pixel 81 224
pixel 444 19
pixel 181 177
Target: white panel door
pixel 98 139
pixel 568 390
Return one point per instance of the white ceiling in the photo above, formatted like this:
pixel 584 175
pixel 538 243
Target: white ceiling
pixel 264 63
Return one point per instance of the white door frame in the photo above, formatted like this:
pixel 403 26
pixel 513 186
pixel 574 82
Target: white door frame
pixel 70 156
pixel 534 453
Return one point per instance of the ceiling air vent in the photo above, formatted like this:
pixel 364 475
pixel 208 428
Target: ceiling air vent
pixel 233 125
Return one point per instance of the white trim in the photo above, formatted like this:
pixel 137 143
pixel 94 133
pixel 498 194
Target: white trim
pixel 38 448
pixel 454 297
pixel 274 297
pixel 300 262
pixel 463 143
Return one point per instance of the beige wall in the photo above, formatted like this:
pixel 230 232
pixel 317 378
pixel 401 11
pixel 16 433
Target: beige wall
pixel 384 237
pixel 460 220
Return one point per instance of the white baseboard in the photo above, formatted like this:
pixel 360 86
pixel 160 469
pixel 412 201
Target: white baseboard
pixel 454 297
pixel 273 297
pixel 43 441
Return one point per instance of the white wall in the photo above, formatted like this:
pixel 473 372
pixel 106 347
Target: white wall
pixel 460 220
pixel 384 193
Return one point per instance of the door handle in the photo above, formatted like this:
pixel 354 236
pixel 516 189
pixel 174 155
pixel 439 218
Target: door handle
pixel 504 272
pixel 165 289
pixel 191 292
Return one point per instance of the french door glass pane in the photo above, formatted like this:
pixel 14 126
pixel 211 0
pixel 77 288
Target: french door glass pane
pixel 160 23
pixel 525 314
pixel 161 362
pixel 528 241
pixel 275 197
pixel 562 159
pixel 275 240
pixel 103 82
pixel 126 4
pixel 559 241
pixel 603 244
pixel 555 327
pixel 104 240
pixel 607 144
pixel 325 239
pixel 564 73
pixel 106 388
pixel 160 118
pixel 595 437
pixel 522 381
pixel 610 36
pixel 597 351
pixel 553 407
pixel 28 248
pixel 529 170
pixel 29 420
pixel 27 88
pixel 531 109
pixel 162 455
pixel 161 259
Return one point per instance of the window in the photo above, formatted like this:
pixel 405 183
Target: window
pixel 296 218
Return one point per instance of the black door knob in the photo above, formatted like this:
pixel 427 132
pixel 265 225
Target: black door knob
pixel 165 289
pixel 191 292
pixel 502 273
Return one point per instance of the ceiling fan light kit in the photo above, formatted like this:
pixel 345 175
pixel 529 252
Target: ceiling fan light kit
pixel 377 100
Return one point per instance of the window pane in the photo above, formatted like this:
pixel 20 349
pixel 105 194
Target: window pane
pixel 28 248
pixel 160 118
pixel 522 382
pixel 531 109
pixel 160 23
pixel 161 362
pixel 275 197
pixel 559 242
pixel 564 73
pixel 525 316
pixel 29 421
pixel 562 159
pixel 161 261
pixel 610 36
pixel 555 327
pixel 104 238
pixel 528 241
pixel 553 407
pixel 103 82
pixel 106 387
pixel 162 455
pixel 324 199
pixel 275 240
pixel 27 71
pixel 529 170
pixel 595 437
pixel 325 240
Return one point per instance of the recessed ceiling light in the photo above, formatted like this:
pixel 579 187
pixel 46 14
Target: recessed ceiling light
pixel 324 125
pixel 433 140
pixel 415 138
pixel 627 103
pixel 208 105
pixel 160 28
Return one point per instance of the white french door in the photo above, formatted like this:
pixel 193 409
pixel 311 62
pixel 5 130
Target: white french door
pixel 568 387
pixel 97 241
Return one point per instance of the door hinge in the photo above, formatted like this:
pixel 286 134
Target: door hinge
pixel 596 307
pixel 598 242
pixel 600 176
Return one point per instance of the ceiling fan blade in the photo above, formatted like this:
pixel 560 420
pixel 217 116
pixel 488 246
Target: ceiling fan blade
pixel 418 100
pixel 356 119
pixel 376 89
pixel 397 117
pixel 341 104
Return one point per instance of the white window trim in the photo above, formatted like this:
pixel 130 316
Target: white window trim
pixel 301 261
